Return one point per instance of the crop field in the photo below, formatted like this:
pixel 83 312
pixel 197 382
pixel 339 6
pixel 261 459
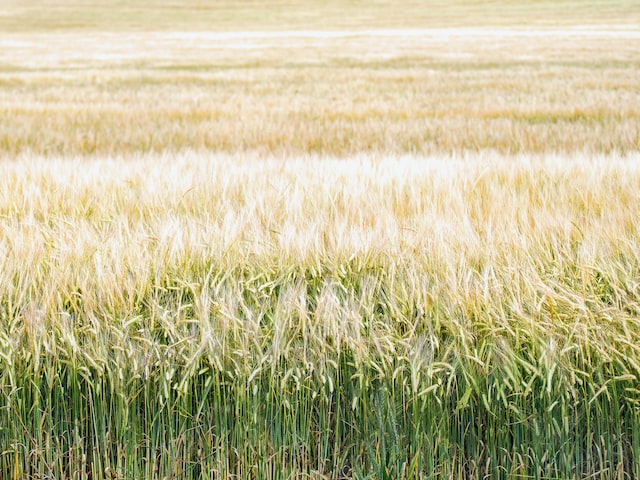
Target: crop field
pixel 319 240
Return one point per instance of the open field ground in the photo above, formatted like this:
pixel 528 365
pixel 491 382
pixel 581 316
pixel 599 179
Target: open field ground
pixel 325 240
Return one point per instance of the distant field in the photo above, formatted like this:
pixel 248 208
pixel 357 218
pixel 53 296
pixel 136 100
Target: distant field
pixel 325 240
pixel 190 15
pixel 136 77
pixel 391 91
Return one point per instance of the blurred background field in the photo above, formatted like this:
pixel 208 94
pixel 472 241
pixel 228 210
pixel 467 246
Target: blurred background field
pixel 413 77
pixel 122 15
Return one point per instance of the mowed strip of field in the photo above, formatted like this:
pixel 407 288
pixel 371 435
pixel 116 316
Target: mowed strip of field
pixel 181 316
pixel 509 89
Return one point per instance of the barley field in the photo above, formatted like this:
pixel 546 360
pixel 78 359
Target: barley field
pixel 319 240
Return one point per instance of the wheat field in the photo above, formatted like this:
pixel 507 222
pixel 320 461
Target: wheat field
pixel 319 240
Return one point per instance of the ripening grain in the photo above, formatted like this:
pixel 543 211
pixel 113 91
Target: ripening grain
pixel 179 316
pixel 326 240
pixel 429 91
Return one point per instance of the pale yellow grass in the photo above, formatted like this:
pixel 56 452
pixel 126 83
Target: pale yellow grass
pixel 252 15
pixel 510 89
pixel 526 239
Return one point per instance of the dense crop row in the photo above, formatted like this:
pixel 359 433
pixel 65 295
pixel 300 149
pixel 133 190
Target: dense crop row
pixel 205 317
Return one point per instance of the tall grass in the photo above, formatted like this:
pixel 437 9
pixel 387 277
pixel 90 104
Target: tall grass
pixel 511 90
pixel 204 316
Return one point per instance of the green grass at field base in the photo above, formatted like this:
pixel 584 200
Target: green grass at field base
pixel 359 423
